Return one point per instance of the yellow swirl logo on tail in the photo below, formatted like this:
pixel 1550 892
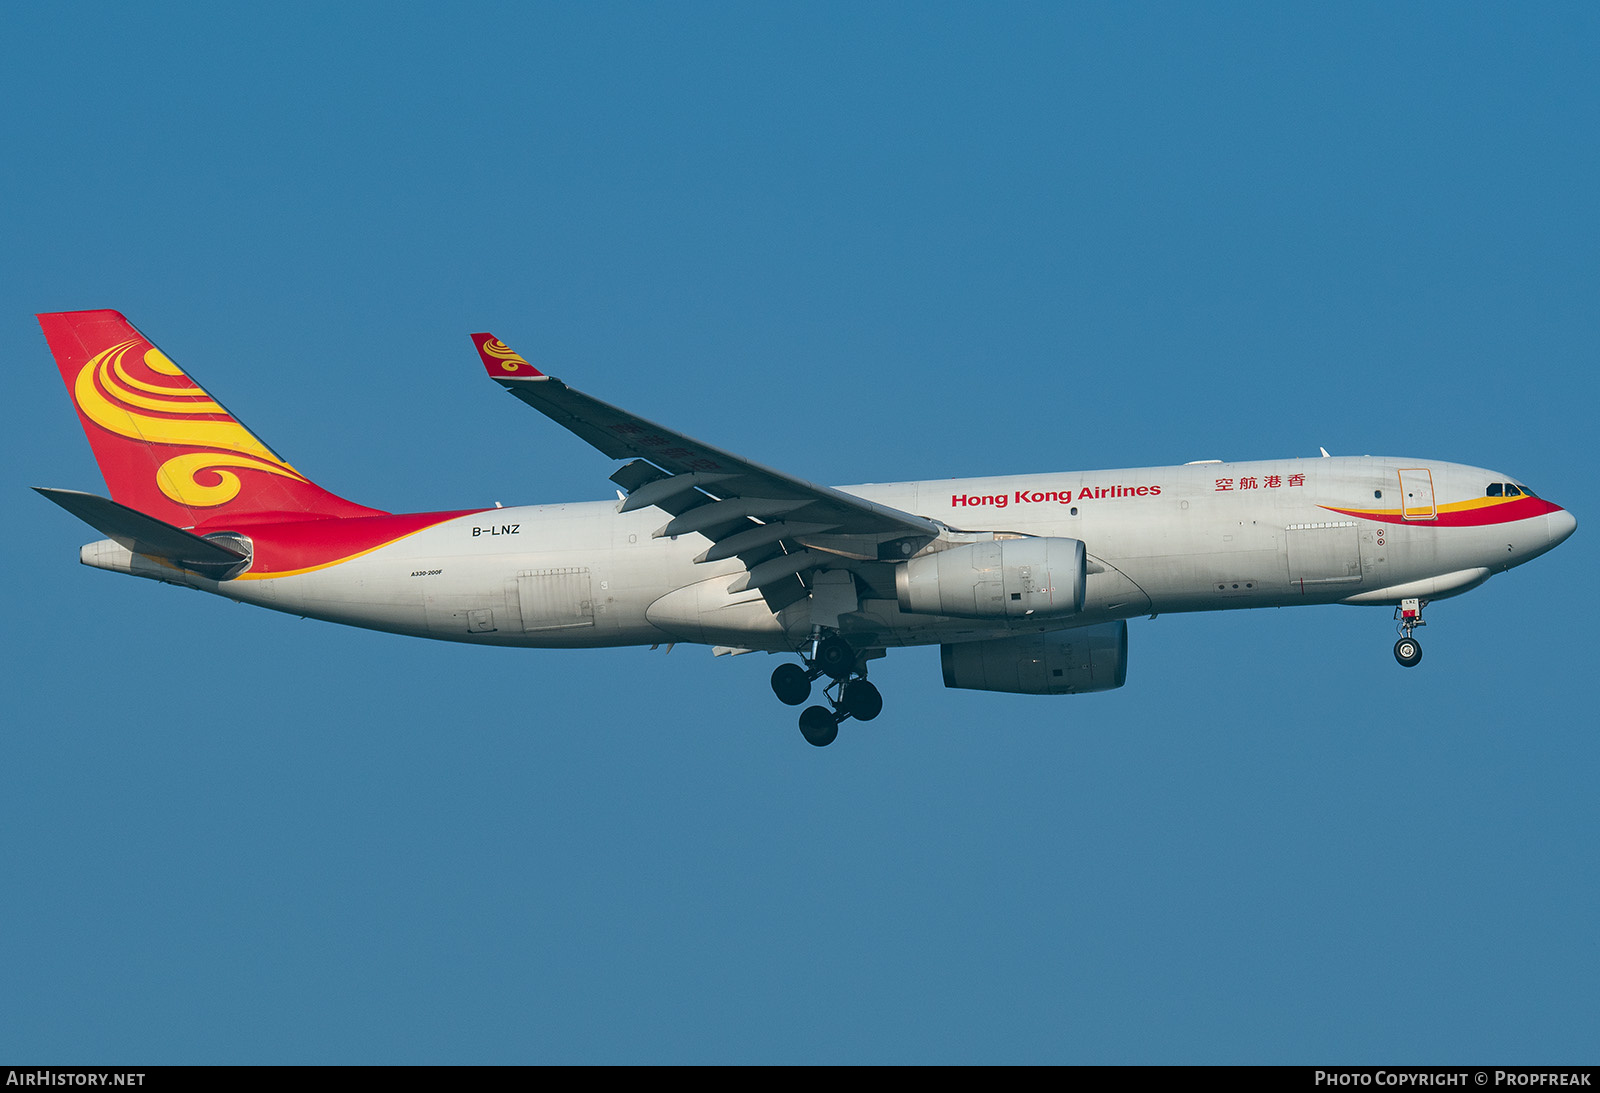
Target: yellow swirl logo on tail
pixel 509 358
pixel 179 414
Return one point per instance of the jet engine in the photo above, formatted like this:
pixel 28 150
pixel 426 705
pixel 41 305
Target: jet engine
pixel 999 579
pixel 1062 662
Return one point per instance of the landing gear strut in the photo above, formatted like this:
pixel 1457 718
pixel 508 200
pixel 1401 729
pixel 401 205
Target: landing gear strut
pixel 847 691
pixel 1408 650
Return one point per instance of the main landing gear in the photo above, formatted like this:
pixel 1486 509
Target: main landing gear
pixel 1408 650
pixel 847 691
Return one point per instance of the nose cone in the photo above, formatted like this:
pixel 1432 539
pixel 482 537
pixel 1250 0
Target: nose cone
pixel 1560 524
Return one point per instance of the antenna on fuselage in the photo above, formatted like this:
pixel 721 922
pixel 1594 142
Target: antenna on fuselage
pixel 1324 452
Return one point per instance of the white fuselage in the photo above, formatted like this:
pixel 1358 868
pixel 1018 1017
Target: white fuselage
pixel 1164 539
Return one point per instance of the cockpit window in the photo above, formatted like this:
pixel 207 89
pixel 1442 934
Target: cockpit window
pixel 1495 490
pixel 1512 491
pixel 1529 492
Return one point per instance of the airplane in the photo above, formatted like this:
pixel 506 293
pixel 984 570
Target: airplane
pixel 1025 582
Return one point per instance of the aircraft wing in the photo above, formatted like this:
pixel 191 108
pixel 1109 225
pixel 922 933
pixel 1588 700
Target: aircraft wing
pixel 779 526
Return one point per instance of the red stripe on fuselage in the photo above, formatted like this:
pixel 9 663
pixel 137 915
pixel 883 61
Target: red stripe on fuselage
pixel 1500 512
pixel 301 545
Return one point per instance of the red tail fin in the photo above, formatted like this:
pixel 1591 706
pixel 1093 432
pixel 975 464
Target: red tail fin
pixel 165 447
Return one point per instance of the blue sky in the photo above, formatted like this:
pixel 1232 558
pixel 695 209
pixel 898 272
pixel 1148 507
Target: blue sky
pixel 861 242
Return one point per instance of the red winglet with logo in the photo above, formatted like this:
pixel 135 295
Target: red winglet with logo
pixel 502 361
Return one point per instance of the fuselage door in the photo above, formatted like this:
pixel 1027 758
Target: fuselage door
pixel 555 599
pixel 1416 494
pixel 1323 553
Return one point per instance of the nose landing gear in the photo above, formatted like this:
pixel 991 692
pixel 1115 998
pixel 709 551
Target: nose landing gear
pixel 1408 650
pixel 848 692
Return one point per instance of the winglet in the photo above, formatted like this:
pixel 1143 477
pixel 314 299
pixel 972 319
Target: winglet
pixel 502 361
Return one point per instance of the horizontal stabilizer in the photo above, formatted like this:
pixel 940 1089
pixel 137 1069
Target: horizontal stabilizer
pixel 145 534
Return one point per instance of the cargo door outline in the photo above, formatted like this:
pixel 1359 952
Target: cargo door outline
pixel 555 599
pixel 1416 494
pixel 1322 554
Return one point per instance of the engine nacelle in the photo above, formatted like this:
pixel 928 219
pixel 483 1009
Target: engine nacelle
pixel 1000 579
pixel 1062 662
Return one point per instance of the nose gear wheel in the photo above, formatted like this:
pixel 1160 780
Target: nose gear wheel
pixel 1408 650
